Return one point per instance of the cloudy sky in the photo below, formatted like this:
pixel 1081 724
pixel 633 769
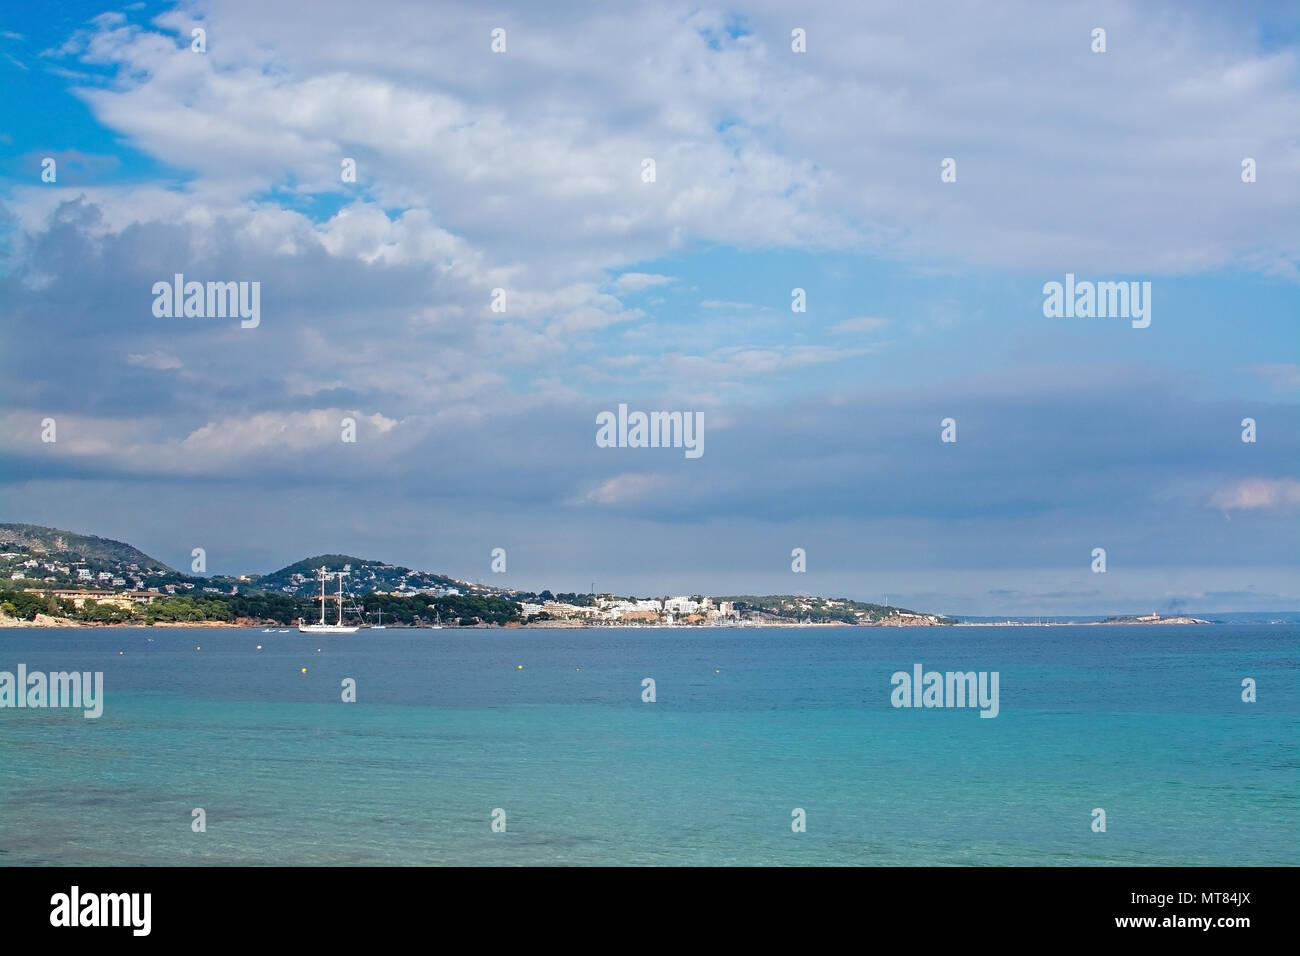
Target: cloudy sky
pixel 775 170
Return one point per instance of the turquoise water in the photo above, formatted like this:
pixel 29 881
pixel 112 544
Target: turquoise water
pixel 1145 722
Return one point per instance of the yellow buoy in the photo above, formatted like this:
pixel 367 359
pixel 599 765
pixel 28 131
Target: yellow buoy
pixel 304 670
pixel 521 666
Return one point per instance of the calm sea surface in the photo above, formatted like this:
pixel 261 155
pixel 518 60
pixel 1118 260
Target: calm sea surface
pixel 1145 722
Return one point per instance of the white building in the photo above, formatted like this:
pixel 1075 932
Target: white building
pixel 617 610
pixel 568 611
pixel 681 605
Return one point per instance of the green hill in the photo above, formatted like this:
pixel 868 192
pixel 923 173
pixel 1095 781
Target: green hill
pixel 67 547
pixel 364 576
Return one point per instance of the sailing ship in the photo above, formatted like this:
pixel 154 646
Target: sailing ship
pixel 322 627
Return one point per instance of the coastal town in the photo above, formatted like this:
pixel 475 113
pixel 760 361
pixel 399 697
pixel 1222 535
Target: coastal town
pixel 703 610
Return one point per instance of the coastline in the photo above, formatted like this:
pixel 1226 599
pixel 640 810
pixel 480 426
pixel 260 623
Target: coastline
pixel 47 621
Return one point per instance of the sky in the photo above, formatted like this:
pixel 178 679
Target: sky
pixel 774 170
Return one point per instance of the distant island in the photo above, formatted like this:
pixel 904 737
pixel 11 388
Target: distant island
pixel 1153 619
pixel 57 578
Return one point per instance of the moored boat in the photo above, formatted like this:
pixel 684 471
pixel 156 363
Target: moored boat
pixel 322 627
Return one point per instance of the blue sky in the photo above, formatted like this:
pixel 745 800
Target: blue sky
pixel 775 170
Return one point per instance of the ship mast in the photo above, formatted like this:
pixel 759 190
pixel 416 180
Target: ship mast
pixel 340 599
pixel 322 597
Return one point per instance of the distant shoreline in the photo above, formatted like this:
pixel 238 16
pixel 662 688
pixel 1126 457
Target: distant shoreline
pixel 45 621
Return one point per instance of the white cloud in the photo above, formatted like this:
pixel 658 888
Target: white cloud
pixel 1255 494
pixel 732 306
pixel 751 142
pixel 625 488
pixel 745 361
pixel 159 360
pixel 278 433
pixel 639 281
pixel 232 445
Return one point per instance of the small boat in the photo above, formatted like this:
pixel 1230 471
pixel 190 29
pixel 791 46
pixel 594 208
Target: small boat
pixel 381 626
pixel 322 627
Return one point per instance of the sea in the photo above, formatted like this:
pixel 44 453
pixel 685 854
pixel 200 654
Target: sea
pixel 518 747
